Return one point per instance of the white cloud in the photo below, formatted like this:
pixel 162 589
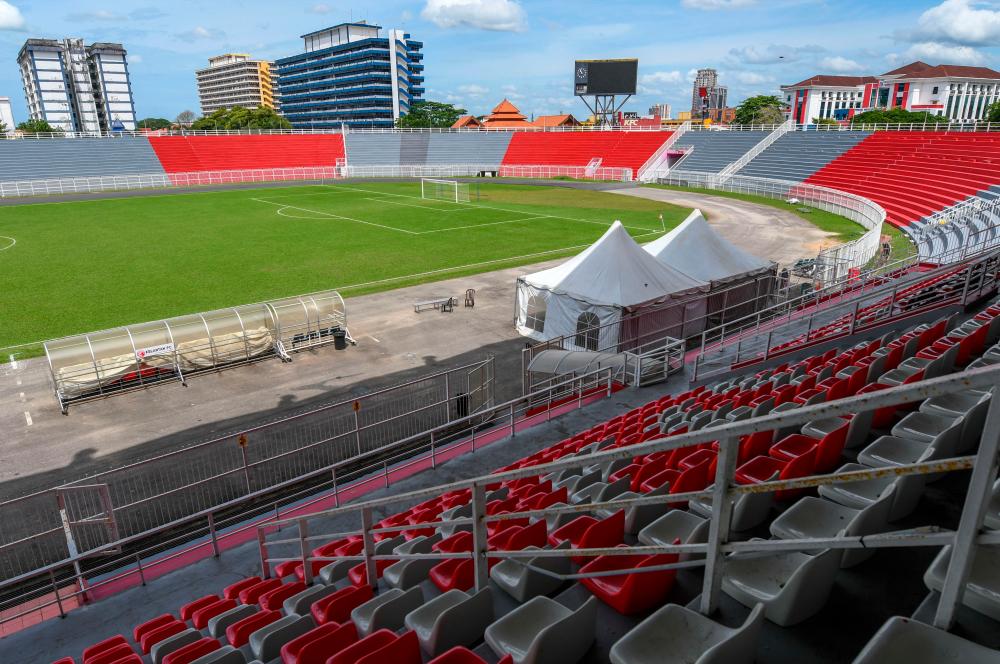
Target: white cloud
pixel 840 65
pixel 944 53
pixel 200 32
pixel 772 54
pixel 961 22
pixel 499 15
pixel 134 58
pixel 473 90
pixel 99 15
pixel 10 17
pixel 658 81
pixel 712 5
pixel 321 8
pixel 751 78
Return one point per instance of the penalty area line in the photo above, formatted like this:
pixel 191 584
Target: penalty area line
pixel 335 216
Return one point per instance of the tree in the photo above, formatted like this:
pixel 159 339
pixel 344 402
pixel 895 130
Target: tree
pixel 824 121
pixel 242 118
pixel 37 126
pixel 430 114
pixel 154 123
pixel 762 109
pixel 993 112
pixel 185 118
pixel 896 116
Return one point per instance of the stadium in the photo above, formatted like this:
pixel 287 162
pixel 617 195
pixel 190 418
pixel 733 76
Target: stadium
pixel 609 392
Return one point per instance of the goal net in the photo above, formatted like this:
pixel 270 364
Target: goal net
pixel 444 190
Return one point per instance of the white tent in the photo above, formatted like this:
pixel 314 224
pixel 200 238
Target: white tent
pixel 699 252
pixel 594 288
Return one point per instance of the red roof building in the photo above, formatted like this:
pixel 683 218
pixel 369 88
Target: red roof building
pixel 505 116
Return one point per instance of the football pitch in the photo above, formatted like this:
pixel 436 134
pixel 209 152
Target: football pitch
pixel 72 267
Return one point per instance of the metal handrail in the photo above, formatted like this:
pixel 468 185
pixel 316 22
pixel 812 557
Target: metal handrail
pixel 722 495
pixel 646 172
pixel 732 168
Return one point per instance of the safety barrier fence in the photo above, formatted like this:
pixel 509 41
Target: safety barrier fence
pixel 148 494
pixel 832 263
pixel 417 171
pixel 75 576
pixel 653 166
pixel 606 173
pixel 872 301
pixel 309 531
pixel 961 230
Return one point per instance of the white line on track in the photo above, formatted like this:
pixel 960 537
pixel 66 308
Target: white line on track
pixel 27 418
pixel 335 216
pixel 374 339
pixel 13 361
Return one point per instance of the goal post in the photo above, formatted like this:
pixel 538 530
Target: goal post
pixel 444 190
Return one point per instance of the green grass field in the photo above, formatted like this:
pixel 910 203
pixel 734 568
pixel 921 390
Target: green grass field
pixel 81 266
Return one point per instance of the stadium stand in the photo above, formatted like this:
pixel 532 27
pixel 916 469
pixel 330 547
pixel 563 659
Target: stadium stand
pixel 799 154
pixel 467 148
pixel 714 150
pixel 615 149
pixel 65 158
pixel 915 174
pixel 364 149
pixel 186 154
pixel 417 148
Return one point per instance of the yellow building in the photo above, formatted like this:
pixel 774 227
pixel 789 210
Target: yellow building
pixel 233 79
pixel 683 116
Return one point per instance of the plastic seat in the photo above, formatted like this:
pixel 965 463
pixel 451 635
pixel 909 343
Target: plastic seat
pixel 629 594
pixel 453 574
pixel 386 610
pixel 405 574
pixel 364 647
pixel 110 655
pixel 857 431
pixel 273 600
pixel 827 449
pixel 233 590
pixel 454 618
pixel 106 644
pixel 460 655
pixel 793 586
pixel 154 636
pixel 676 635
pixel 252 594
pixel 266 642
pixel 586 532
pixel 749 511
pixel 904 641
pixel 200 618
pixel 188 609
pixel 338 606
pixel 992 519
pixel 676 525
pixel 160 650
pixel 638 517
pixel 759 469
pixel 402 650
pixel 924 427
pixel 192 651
pixel 319 644
pixel 301 602
pixel 543 631
pixel 239 632
pixel 142 629
pixel 982 590
pixel 817 517
pixel 522 582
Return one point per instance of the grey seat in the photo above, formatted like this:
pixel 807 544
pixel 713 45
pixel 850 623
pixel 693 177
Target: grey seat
pixel 578 482
pixel 524 581
pixel 457 512
pixel 923 427
pixel 932 368
pixel 676 635
pixel 817 517
pixel 908 489
pixel 970 405
pixel 904 641
pixel 337 570
pixel 454 618
pixel 749 511
pixel 887 451
pixel 982 590
pixel 992 519
pixel 266 642
pixel 405 574
pixel 857 430
pixel 300 603
pixel 224 655
pixel 638 517
pixel 543 631
pixel 676 525
pixel 781 432
pixel 387 610
pixel 793 586
pixel 742 413
pixel 218 624
pixel 554 520
pixel 172 643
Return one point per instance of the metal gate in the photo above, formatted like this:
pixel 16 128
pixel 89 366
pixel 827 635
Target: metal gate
pixel 88 518
pixel 481 386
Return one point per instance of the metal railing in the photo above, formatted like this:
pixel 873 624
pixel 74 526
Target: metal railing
pixel 605 173
pixel 417 171
pixel 651 168
pixel 79 577
pixel 973 225
pixel 751 154
pixel 833 263
pixel 722 494
pixel 224 468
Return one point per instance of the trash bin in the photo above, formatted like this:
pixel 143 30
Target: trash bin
pixel 340 339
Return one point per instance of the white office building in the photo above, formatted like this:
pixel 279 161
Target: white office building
pixel 6 114
pixel 75 87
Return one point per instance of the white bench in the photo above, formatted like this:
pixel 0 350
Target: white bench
pixel 445 303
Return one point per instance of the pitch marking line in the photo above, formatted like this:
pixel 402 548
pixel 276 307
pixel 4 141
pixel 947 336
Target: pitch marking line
pixel 9 244
pixel 492 223
pixel 490 207
pixel 419 207
pixel 27 418
pixel 282 206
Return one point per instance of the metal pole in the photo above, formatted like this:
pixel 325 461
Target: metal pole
pixel 479 536
pixel 336 494
pixel 55 591
pixel 138 563
pixel 984 472
pixel 265 568
pixel 718 529
pixel 433 460
pixel 369 546
pixel 212 535
pixel 512 430
pixel 303 543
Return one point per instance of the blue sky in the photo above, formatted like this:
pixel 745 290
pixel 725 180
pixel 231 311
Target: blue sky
pixel 479 51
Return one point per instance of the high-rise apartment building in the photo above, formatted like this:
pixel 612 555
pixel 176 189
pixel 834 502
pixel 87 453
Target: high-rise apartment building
pixel 233 79
pixel 349 74
pixel 75 87
pixel 706 94
pixel 661 111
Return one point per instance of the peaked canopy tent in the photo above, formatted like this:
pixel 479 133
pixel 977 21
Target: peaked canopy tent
pixel 589 298
pixel 740 282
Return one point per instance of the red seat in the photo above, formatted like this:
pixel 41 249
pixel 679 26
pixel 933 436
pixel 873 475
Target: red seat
pixel 457 543
pixel 762 468
pixel 273 599
pixel 828 449
pixel 239 632
pixel 668 475
pixel 192 651
pixel 358 574
pixel 154 636
pixel 203 615
pixel 460 655
pixel 129 659
pixel 405 649
pixel 110 655
pixel 319 644
pixel 233 591
pixel 353 653
pixel 592 534
pixel 148 626
pixel 253 593
pixel 338 606
pixel 188 609
pixel 352 547
pixel 453 574
pixel 70 660
pixel 631 593
pixel 101 646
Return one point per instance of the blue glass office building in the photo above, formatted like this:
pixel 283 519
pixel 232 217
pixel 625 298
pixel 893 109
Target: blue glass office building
pixel 350 75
